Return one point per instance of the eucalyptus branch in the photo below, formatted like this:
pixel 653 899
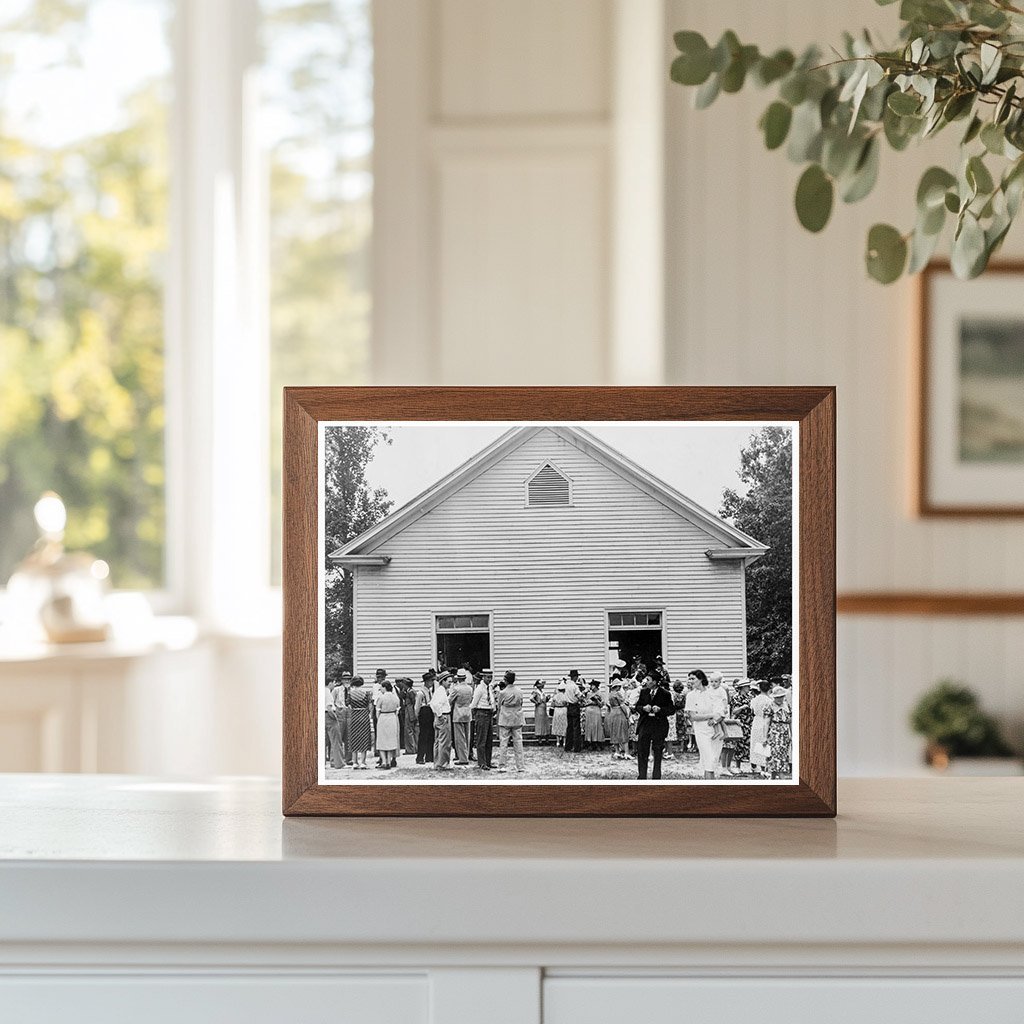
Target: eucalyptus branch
pixel 955 61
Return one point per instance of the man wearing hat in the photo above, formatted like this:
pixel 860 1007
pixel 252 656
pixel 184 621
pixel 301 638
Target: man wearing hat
pixel 573 700
pixel 482 708
pixel 425 719
pixel 510 721
pixel 341 721
pixel 654 705
pixel 440 704
pixel 462 716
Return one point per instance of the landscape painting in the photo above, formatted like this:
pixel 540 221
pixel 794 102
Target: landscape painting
pixel 992 390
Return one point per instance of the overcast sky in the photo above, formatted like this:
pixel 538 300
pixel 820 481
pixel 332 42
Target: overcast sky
pixel 698 459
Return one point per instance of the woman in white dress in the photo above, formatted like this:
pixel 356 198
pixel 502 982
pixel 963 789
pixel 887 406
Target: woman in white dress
pixel 704 710
pixel 387 724
pixel 760 706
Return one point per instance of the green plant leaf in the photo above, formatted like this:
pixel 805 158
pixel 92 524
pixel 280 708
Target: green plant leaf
pixel 725 49
pixel 968 255
pixel 931 191
pixel 794 89
pixel 707 93
pixel 814 195
pixel 771 69
pixel 805 133
pixel 886 253
pixel 993 138
pixel 775 124
pixel 904 103
pixel 973 130
pixel 978 176
pixel 693 65
pixel 952 202
pixel 922 247
pixel 865 173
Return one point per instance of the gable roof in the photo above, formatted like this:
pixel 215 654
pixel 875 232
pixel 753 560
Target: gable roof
pixel 733 540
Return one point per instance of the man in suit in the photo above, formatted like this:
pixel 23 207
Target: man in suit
pixel 654 705
pixel 510 721
pixel 462 716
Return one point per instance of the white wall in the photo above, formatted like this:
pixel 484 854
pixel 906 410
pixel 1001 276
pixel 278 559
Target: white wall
pixel 754 299
pixel 512 252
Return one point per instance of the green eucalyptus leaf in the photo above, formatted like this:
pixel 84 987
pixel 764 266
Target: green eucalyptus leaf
pixel 931 190
pixel 707 93
pixel 725 50
pixel 987 15
pixel 1005 105
pixel 873 106
pixel 694 66
pixel 794 88
pixel 775 124
pixel 886 253
pixel 839 151
pixel 958 105
pixel 805 133
pixel 932 220
pixel 922 247
pixel 771 69
pixel 978 176
pixel 993 138
pixel 865 173
pixel 814 195
pixel 968 247
pixel 952 202
pixel 973 130
pixel 903 103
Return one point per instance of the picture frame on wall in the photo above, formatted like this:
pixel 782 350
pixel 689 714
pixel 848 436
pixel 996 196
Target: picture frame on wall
pixel 970 383
pixel 594 601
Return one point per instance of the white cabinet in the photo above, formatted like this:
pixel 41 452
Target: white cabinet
pixel 205 999
pixel 828 1000
pixel 128 899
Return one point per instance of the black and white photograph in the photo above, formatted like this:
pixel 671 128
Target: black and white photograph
pixel 558 602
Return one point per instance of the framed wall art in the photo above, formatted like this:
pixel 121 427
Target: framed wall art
pixel 970 444
pixel 559 601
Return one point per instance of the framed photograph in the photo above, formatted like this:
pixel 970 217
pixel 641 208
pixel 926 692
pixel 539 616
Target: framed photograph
pixel 559 601
pixel 970 450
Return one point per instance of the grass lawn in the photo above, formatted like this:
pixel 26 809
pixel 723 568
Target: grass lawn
pixel 542 762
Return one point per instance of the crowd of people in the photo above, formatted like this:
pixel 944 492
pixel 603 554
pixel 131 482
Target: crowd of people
pixel 451 718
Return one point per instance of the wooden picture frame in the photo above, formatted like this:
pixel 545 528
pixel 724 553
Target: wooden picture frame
pixel 812 794
pixel 926 502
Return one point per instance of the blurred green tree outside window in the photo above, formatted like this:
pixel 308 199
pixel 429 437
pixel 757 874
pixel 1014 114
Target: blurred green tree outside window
pixel 83 237
pixel 317 119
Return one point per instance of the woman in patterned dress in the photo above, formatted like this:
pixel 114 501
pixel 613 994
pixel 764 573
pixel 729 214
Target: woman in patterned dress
pixel 360 734
pixel 741 712
pixel 618 722
pixel 560 717
pixel 760 710
pixel 780 736
pixel 593 727
pixel 541 722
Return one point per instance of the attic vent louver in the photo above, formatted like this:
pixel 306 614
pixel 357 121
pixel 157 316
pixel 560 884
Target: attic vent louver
pixel 548 487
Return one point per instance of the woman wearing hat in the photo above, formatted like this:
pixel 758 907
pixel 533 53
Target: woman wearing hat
pixel 593 728
pixel 541 722
pixel 559 717
pixel 761 708
pixel 618 721
pixel 780 735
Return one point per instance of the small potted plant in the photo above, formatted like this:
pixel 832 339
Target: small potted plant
pixel 950 717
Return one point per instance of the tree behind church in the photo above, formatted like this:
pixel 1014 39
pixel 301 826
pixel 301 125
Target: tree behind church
pixel 764 510
pixel 351 507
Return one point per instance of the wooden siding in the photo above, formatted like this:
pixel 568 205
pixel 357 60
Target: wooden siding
pixel 549 576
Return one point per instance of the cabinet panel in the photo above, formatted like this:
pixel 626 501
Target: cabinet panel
pixel 784 1001
pixel 215 1000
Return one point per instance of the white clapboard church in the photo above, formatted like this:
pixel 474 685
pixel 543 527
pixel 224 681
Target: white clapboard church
pixel 547 551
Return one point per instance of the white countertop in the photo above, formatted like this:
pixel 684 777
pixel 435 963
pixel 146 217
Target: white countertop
pixel 122 859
